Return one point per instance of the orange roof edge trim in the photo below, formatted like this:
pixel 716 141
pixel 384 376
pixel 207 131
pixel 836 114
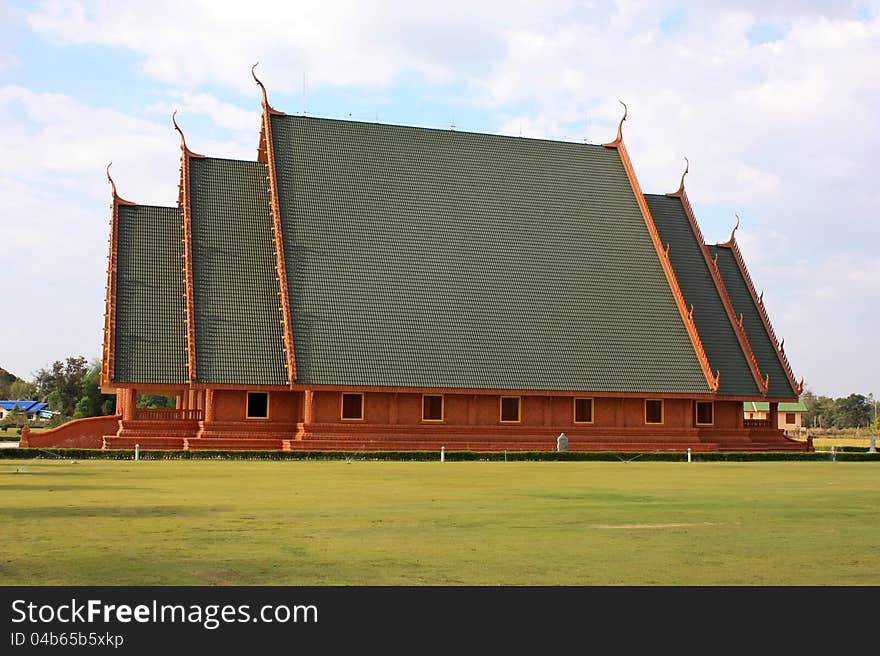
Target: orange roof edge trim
pixel 186 211
pixel 108 351
pixel 712 379
pixel 266 150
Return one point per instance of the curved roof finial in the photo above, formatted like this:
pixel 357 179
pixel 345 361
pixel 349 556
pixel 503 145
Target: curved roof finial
pixel 260 84
pixel 620 125
pixel 733 232
pixel 116 199
pixel 619 138
pixel 110 180
pixel 177 127
pixel 687 166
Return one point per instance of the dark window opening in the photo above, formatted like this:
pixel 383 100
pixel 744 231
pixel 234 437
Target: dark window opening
pixel 790 418
pixel 654 411
pixel 583 411
pixel 432 407
pixel 705 413
pixel 352 406
pixel 510 409
pixel 258 405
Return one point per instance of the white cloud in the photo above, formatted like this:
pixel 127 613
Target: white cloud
pixel 222 114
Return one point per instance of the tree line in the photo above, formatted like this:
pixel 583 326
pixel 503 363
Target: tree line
pixel 71 388
pixel 853 411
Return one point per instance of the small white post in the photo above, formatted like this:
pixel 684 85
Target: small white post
pixel 137 451
pixel 689 454
pixel 442 454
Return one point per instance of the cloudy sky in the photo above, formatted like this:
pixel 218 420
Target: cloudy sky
pixel 775 103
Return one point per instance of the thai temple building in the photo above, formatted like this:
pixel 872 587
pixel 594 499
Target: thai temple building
pixel 361 286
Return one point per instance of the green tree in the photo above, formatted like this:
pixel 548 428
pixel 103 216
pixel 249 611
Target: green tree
pixel 14 417
pixel 155 401
pixel 820 412
pixel 6 379
pixel 21 390
pixel 67 379
pixel 93 402
pixel 851 411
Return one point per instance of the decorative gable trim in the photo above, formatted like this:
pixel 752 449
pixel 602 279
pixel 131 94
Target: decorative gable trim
pixel 184 202
pixel 712 380
pixel 266 153
pixel 108 363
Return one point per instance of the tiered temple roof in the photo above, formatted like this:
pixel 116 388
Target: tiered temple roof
pixel 362 254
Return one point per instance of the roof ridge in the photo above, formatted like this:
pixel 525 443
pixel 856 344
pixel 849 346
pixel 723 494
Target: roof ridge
pixel 441 130
pixel 229 159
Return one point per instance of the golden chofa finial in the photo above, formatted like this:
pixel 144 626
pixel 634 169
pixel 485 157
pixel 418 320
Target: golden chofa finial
pixel 266 106
pixel 619 138
pixel 177 127
pixel 260 84
pixel 687 166
pixel 735 228
pixel 183 145
pixel 110 180
pixel 116 198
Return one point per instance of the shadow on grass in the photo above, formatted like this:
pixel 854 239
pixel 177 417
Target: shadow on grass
pixel 68 488
pixel 66 512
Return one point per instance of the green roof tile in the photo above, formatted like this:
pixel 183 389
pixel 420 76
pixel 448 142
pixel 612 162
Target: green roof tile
pixel 695 280
pixel 150 340
pixel 759 340
pixel 238 328
pixel 435 258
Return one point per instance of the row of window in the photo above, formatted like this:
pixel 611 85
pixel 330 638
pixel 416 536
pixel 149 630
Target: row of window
pixel 509 410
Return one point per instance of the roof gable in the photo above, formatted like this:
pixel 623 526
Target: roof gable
pixel 743 303
pixel 149 336
pixel 716 332
pixel 434 258
pixel 235 291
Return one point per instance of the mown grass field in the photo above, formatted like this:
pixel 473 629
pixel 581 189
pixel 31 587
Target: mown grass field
pixel 377 523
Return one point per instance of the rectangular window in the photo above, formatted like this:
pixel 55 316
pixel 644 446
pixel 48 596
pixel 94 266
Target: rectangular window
pixel 257 405
pixel 432 407
pixel 510 409
pixel 789 418
pixel 705 413
pixel 583 411
pixel 654 411
pixel 353 407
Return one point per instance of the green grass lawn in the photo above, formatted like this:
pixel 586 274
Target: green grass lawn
pixel 321 523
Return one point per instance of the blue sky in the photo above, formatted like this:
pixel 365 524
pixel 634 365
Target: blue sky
pixel 776 105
